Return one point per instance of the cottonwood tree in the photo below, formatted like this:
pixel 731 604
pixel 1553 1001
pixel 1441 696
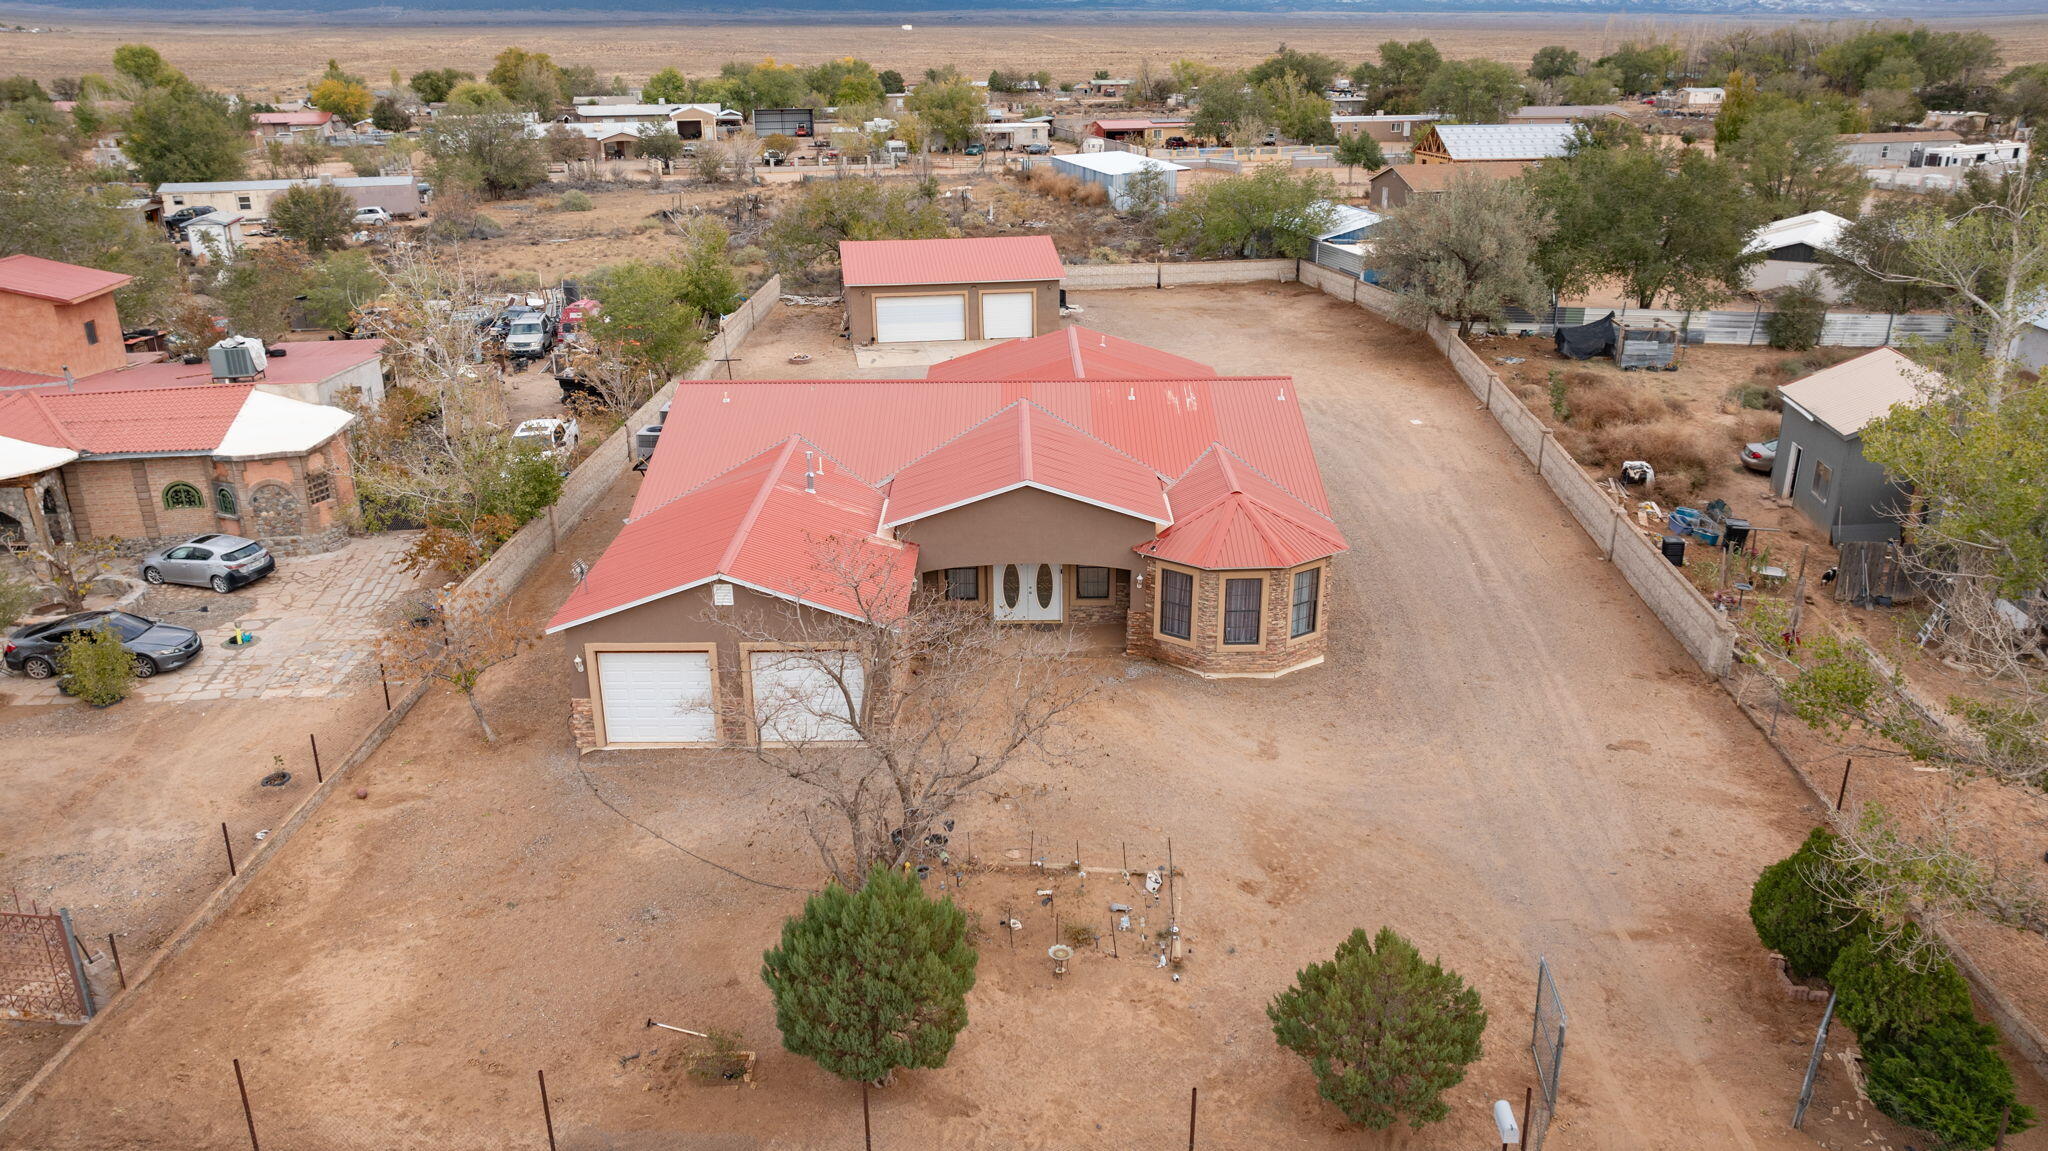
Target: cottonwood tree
pixel 909 702
pixel 258 290
pixel 45 210
pixel 181 132
pixel 871 980
pixel 1474 91
pixel 1466 255
pixel 1268 213
pixel 1359 150
pixel 1990 258
pixel 470 633
pixel 319 217
pixel 1868 259
pixel 1663 222
pixel 1385 1031
pixel 485 148
pixel 1792 161
pixel 1395 83
pixel 827 212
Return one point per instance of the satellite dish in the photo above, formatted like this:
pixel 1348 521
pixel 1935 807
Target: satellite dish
pixel 1060 951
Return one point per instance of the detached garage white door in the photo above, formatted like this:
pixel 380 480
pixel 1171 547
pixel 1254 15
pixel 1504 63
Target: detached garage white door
pixel 914 319
pixel 802 696
pixel 1005 315
pixel 656 696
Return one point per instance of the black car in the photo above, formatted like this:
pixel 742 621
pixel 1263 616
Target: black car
pixel 34 650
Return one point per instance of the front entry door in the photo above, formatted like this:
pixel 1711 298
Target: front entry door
pixel 1027 592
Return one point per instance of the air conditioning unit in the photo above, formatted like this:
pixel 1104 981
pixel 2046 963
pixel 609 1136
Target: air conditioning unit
pixel 237 358
pixel 644 441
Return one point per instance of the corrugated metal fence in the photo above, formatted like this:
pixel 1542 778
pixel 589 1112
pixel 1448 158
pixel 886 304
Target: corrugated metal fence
pixel 1731 326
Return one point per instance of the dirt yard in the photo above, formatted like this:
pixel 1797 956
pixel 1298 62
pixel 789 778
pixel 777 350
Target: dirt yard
pixel 1505 758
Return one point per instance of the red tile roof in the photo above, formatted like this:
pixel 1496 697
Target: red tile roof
pixel 1227 516
pixel 1074 353
pixel 975 260
pixel 763 524
pixel 58 282
pixel 1021 446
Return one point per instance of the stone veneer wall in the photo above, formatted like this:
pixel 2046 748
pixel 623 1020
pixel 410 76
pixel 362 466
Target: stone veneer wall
pixel 1274 655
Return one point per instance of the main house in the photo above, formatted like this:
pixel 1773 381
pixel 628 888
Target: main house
pixel 1072 479
pixel 94 446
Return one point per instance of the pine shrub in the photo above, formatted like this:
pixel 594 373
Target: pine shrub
pixel 1884 1000
pixel 1385 1031
pixel 868 981
pixel 1793 918
pixel 1948 1081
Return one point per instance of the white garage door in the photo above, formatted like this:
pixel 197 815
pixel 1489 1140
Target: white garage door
pixel 911 319
pixel 1005 315
pixel 656 696
pixel 801 697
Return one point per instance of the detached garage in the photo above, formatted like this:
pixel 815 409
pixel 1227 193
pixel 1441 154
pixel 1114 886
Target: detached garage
pixel 933 291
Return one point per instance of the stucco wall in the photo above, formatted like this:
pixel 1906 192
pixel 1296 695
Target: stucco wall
pixel 685 618
pixel 1027 526
pixel 42 336
pixel 860 306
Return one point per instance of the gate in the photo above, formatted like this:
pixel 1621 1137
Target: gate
pixel 41 976
pixel 1546 1047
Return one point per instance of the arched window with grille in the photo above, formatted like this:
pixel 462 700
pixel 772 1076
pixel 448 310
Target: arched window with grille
pixel 183 495
pixel 224 499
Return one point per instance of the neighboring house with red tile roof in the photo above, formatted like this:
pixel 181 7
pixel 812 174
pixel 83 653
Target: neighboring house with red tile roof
pixel 92 446
pixel 935 291
pixel 1072 478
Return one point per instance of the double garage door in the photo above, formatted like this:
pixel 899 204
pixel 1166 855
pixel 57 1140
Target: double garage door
pixel 932 319
pixel 666 697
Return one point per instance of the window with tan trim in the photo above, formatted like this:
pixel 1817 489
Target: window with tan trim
pixel 1308 590
pixel 1176 603
pixel 1243 601
pixel 963 583
pixel 1091 583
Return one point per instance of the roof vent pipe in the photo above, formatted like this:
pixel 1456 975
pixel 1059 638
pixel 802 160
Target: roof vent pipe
pixel 70 381
pixel 810 475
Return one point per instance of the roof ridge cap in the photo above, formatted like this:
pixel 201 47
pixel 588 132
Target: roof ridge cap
pixel 1261 473
pixel 746 524
pixel 1091 436
pixel 720 474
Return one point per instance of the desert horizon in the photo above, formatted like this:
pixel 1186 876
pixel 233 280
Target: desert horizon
pixel 265 59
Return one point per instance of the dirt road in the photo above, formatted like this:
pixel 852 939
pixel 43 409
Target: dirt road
pixel 1504 758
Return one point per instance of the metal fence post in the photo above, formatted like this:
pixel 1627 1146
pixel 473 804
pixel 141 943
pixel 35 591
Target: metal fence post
pixel 547 1114
pixel 248 1116
pixel 77 962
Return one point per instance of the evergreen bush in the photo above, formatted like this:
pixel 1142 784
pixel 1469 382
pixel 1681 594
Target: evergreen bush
pixel 1948 1081
pixel 872 980
pixel 1385 1031
pixel 1793 918
pixel 97 669
pixel 1886 1000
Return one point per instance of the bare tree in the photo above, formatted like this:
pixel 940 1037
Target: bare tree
pixel 1992 256
pixel 1908 886
pixel 896 711
pixel 470 634
pixel 70 569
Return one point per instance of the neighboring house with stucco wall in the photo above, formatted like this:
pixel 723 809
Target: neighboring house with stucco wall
pixel 154 451
pixel 1071 479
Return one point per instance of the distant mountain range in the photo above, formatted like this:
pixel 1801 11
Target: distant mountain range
pixel 429 12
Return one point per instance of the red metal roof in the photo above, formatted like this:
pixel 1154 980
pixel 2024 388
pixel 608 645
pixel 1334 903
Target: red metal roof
pixel 1228 516
pixel 1074 353
pixel 1023 445
pixel 58 282
pixel 304 362
pixel 972 260
pixel 876 427
pixel 110 421
pixel 764 524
